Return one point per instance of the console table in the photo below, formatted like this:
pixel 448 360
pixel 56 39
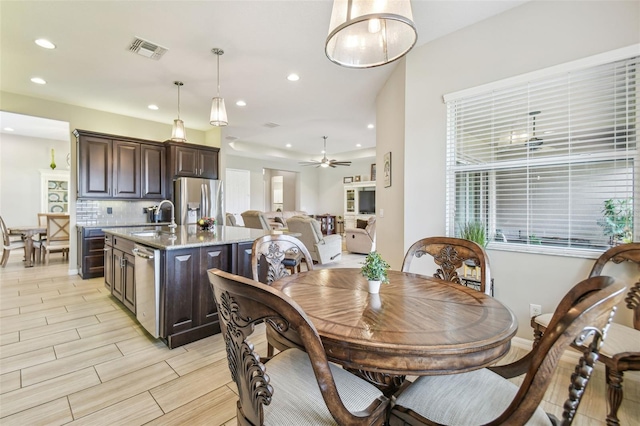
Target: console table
pixel 327 223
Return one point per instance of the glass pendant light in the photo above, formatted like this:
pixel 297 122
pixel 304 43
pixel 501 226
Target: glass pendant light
pixel 218 111
pixel 370 33
pixel 178 133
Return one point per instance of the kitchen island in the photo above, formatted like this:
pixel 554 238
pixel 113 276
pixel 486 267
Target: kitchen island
pixel 162 277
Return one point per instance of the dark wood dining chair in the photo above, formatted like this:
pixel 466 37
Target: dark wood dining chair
pixel 450 254
pixel 274 257
pixel 293 387
pixel 583 316
pixel 621 350
pixel 10 243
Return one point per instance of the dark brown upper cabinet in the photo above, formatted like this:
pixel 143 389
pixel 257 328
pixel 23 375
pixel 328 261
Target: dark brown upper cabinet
pixel 119 167
pixel 189 160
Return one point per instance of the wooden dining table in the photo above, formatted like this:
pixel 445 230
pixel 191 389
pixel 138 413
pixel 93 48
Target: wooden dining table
pixel 27 232
pixel 416 325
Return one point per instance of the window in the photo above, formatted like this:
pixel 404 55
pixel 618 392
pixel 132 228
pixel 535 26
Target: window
pixel 547 161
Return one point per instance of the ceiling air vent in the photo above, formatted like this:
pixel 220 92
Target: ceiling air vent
pixel 147 49
pixel 271 125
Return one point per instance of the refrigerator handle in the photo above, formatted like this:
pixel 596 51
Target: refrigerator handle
pixel 203 201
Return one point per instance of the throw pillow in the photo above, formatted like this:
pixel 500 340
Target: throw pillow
pixel 362 224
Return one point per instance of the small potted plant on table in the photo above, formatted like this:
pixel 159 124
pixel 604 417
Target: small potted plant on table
pixel 207 223
pixel 374 269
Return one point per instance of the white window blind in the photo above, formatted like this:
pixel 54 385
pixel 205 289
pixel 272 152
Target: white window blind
pixel 539 162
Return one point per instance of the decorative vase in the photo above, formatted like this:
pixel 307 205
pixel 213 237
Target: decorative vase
pixel 53 161
pixel 374 301
pixel 374 286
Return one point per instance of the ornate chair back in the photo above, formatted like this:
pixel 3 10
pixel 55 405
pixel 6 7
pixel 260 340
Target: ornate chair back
pixel 270 253
pixel 58 229
pixel 450 254
pixel 243 303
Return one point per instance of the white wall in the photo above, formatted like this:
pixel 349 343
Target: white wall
pixel 535 35
pixel 306 192
pixel 21 159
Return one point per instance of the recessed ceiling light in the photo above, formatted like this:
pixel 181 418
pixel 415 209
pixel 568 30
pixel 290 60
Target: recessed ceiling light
pixel 370 126
pixel 38 80
pixel 45 43
pixel 288 145
pixel 153 107
pixel 8 129
pixel 293 77
pixel 358 145
pixel 241 103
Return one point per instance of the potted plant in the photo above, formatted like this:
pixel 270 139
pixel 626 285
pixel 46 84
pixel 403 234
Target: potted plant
pixel 374 269
pixel 618 221
pixel 475 231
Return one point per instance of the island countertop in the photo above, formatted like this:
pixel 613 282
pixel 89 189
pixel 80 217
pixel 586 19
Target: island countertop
pixel 186 236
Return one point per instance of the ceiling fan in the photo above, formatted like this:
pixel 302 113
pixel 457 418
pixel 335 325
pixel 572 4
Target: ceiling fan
pixel 325 162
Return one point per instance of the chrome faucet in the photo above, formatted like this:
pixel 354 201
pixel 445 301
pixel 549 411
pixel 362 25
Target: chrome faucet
pixel 173 225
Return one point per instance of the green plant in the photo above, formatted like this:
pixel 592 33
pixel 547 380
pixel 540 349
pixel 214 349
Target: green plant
pixel 474 231
pixel 375 267
pixel 617 222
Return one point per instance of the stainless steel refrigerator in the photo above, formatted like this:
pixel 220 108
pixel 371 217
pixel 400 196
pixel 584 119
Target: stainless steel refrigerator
pixel 195 198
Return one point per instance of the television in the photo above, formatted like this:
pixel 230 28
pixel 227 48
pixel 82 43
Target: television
pixel 367 202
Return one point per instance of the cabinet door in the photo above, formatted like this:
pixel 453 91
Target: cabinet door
pixel 118 284
pixel 129 282
pixel 108 265
pixel 181 275
pixel 153 171
pixel 126 169
pixel 243 260
pixel 185 161
pixel 210 257
pixel 94 167
pixel 208 164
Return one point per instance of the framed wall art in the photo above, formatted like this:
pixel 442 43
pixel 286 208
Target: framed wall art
pixel 347 179
pixel 356 178
pixel 373 171
pixel 387 170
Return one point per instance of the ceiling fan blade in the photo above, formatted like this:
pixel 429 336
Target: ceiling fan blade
pixel 332 165
pixel 342 163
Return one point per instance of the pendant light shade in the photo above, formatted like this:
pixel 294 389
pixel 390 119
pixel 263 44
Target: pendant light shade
pixel 218 111
pixel 370 33
pixel 178 133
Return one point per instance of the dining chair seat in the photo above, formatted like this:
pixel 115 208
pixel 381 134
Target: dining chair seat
pixel 299 400
pixel 440 398
pixel 620 338
pixel 10 242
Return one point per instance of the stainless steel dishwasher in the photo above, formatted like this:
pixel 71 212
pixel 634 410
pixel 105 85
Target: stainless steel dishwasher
pixel 147 275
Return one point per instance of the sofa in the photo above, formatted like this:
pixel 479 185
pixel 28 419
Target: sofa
pixel 362 239
pixel 255 219
pixel 323 248
pixel 278 220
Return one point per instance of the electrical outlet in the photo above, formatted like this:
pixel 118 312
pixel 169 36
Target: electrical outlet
pixel 535 310
pixel 109 210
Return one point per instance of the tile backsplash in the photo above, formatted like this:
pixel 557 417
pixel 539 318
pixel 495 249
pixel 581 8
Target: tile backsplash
pixel 94 212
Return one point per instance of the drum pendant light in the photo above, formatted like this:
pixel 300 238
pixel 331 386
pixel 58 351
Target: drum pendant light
pixel 178 133
pixel 370 33
pixel 218 111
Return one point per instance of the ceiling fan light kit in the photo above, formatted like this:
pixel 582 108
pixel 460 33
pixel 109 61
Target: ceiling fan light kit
pixel 366 33
pixel 218 115
pixel 178 133
pixel 325 162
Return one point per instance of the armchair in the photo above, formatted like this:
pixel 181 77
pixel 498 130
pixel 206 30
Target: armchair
pixel 323 249
pixel 362 240
pixel 255 219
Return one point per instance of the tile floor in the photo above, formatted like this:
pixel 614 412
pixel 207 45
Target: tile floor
pixel 72 354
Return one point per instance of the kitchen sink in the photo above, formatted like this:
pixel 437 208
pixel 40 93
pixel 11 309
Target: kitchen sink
pixel 150 233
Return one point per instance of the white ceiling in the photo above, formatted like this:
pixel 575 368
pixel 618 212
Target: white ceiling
pixel 263 41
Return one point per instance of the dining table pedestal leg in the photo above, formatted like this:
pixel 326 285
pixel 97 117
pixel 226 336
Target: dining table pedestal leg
pixel 388 384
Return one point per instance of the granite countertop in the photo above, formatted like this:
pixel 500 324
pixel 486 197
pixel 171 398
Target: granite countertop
pixel 186 236
pixel 120 225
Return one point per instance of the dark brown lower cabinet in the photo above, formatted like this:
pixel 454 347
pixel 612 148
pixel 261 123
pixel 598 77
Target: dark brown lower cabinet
pixel 189 309
pixel 123 277
pixel 91 253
